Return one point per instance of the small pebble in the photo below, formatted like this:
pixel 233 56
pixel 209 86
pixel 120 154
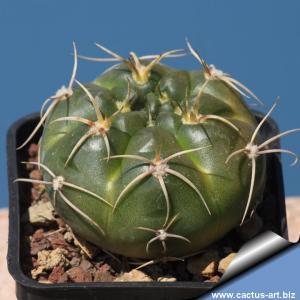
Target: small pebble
pixel 57 241
pixel 68 236
pixel 133 275
pixel 41 213
pixel 37 246
pixel 36 174
pixel 103 274
pixel 47 260
pixel 225 262
pixel 167 278
pixel 75 261
pixel 77 274
pixel 33 150
pixel 44 281
pixel 85 265
pixel 204 264
pixel 58 275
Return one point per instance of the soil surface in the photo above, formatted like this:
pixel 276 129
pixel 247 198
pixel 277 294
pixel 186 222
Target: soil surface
pixel 54 254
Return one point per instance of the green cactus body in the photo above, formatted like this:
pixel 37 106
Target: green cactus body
pixel 160 117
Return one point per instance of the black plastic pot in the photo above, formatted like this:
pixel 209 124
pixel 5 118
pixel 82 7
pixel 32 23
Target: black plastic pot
pixel 271 210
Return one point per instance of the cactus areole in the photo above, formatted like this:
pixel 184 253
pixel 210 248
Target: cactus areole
pixel 136 161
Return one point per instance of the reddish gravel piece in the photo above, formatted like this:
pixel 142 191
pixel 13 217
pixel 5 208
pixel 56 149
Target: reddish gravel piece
pixel 78 274
pixel 33 150
pixel 58 275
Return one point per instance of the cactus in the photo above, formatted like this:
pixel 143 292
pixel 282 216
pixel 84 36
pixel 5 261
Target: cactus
pixel 152 162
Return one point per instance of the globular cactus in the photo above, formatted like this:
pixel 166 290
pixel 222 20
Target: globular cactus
pixel 148 161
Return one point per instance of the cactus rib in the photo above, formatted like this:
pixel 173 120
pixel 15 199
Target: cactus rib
pixel 158 168
pixel 99 127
